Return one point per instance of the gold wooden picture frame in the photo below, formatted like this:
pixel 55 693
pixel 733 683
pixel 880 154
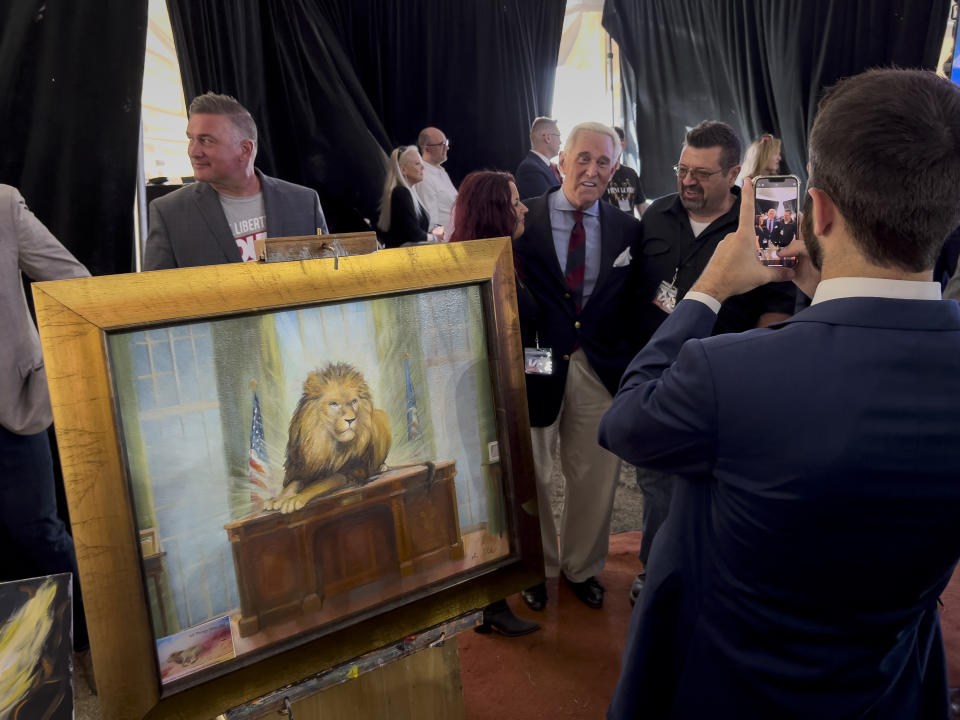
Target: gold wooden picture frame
pixel 336 562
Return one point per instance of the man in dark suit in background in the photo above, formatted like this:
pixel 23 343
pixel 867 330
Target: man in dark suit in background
pixel 768 229
pixel 576 258
pixel 536 173
pixel 786 230
pixel 216 219
pixel 769 593
pixel 680 233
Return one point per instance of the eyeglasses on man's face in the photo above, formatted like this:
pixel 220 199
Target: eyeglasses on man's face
pixel 699 174
pixel 445 143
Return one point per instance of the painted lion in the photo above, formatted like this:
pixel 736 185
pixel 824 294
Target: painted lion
pixel 337 438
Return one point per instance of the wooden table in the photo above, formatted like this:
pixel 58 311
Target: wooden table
pixel 400 523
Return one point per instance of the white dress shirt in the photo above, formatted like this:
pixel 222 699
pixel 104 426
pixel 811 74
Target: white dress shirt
pixel 846 287
pixel 437 192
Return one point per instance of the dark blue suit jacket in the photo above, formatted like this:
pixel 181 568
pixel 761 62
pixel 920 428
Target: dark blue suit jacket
pixel 798 573
pixel 606 332
pixel 533 177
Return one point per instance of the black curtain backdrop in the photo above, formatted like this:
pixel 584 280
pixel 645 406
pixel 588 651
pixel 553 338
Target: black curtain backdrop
pixel 759 65
pixel 283 63
pixel 481 70
pixel 334 84
pixel 70 81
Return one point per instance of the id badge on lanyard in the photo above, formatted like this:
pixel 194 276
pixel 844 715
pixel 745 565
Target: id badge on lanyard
pixel 666 296
pixel 538 360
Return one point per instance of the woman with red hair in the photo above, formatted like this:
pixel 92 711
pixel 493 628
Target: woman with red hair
pixel 488 205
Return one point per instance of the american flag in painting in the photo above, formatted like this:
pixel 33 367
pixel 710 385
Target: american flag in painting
pixel 259 476
pixel 413 417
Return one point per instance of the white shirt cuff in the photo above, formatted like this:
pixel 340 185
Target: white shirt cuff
pixel 710 302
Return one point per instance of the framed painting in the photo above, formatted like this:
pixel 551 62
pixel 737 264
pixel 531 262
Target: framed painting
pixel 273 468
pixel 36 648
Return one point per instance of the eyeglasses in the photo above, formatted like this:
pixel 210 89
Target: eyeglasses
pixel 445 143
pixel 556 135
pixel 699 174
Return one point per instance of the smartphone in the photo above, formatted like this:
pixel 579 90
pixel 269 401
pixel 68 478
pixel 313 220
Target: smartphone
pixel 776 202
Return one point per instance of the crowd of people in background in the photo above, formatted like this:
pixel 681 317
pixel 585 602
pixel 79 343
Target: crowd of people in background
pixel 613 285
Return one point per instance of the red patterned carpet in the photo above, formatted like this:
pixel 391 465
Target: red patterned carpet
pixel 571 673
pixel 950 622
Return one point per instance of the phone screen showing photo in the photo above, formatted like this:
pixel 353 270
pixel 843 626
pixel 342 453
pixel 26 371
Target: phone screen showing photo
pixel 776 201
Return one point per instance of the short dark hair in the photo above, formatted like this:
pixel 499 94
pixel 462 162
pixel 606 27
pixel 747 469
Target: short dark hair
pixel 885 147
pixel 713 133
pixel 484 209
pixel 211 103
pixel 619 131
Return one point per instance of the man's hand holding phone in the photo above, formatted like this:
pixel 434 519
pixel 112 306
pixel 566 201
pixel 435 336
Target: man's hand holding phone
pixel 806 276
pixel 735 268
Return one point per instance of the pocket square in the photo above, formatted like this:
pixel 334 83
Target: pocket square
pixel 623 259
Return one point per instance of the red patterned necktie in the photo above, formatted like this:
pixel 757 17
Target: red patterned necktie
pixel 577 259
pixel 556 171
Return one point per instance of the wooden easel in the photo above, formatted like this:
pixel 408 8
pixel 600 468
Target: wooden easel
pixel 416 678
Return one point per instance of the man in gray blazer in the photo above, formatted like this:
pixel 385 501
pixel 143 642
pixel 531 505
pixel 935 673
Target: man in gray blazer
pixel 216 219
pixel 34 539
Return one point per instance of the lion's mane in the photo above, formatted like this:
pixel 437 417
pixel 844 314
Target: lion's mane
pixel 313 450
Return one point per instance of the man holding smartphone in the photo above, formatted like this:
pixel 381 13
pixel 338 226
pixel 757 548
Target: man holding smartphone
pixel 680 233
pixel 769 592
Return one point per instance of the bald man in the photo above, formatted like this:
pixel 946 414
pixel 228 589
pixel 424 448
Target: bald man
pixel 436 189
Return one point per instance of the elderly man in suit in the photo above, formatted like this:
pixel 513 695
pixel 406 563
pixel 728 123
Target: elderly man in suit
pixel 536 173
pixel 769 229
pixel 786 230
pixel 216 219
pixel 769 592
pixel 34 539
pixel 577 258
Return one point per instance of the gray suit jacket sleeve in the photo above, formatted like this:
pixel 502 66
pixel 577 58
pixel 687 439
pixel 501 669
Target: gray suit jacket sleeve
pixel 41 256
pixel 158 253
pixel 27 246
pixel 319 220
pixel 291 209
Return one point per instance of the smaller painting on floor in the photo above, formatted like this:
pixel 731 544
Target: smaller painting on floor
pixel 36 648
pixel 195 648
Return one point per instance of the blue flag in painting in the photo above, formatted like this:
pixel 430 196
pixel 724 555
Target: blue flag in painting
pixel 413 418
pixel 259 476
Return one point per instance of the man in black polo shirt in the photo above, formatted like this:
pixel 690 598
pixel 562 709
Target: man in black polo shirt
pixel 680 233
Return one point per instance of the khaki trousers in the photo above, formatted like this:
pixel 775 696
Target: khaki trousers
pixel 590 472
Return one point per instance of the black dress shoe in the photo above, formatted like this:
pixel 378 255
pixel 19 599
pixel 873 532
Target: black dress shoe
pixel 589 592
pixel 500 618
pixel 638 582
pixel 535 597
